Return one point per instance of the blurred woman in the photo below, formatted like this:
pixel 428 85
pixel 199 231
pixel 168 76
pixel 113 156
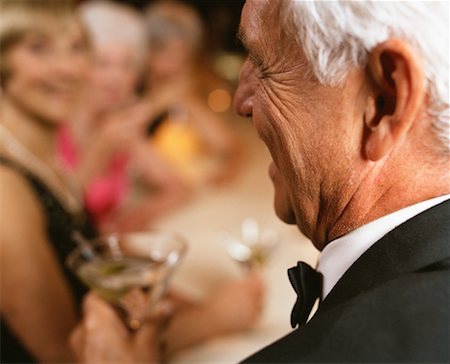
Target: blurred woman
pixel 192 131
pixel 44 57
pixel 105 142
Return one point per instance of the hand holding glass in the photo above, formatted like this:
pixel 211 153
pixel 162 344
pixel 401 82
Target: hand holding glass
pixel 129 270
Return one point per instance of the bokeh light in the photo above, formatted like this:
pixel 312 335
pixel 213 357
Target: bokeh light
pixel 219 100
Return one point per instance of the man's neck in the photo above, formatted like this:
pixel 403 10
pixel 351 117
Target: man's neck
pixel 341 253
pixel 385 190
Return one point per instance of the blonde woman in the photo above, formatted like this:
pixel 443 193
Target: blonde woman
pixel 44 53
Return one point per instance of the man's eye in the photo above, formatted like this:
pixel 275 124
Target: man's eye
pixel 263 73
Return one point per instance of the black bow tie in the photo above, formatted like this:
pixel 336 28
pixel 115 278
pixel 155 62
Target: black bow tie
pixel 307 283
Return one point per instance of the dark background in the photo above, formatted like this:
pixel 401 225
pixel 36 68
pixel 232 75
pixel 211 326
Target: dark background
pixel 221 19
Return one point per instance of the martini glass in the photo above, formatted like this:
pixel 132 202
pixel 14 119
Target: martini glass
pixel 129 270
pixel 253 247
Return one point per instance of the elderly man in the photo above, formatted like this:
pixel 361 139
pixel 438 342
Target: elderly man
pixel 351 99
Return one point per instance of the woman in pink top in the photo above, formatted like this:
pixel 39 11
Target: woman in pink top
pixel 105 193
pixel 105 142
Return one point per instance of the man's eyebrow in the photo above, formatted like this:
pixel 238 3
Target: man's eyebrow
pixel 250 51
pixel 242 37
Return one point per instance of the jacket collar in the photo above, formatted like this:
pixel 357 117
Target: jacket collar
pixel 414 245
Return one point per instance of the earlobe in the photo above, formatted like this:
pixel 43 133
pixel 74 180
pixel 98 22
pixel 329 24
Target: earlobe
pixel 396 98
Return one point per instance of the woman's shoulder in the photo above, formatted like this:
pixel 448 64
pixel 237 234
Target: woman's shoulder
pixel 12 177
pixel 17 196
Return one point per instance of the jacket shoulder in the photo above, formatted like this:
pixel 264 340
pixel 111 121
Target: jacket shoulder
pixel 404 320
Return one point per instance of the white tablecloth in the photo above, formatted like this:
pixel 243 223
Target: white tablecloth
pixel 207 266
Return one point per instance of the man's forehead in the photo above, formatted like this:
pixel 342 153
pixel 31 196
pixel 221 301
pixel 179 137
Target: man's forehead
pixel 255 16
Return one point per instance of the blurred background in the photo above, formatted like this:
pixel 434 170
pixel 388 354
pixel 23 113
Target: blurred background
pixel 220 17
pixel 221 21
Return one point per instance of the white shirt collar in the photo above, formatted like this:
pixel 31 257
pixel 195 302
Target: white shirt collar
pixel 340 254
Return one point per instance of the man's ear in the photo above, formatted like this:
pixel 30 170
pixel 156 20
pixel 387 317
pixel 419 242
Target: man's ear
pixel 396 99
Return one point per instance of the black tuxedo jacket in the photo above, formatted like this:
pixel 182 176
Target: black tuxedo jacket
pixel 392 305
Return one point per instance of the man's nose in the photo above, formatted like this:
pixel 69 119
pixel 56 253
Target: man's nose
pixel 243 98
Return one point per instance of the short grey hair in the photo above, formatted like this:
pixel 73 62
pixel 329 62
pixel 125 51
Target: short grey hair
pixel 336 35
pixel 109 22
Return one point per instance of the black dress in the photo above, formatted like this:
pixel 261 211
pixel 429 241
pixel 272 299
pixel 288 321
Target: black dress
pixel 60 225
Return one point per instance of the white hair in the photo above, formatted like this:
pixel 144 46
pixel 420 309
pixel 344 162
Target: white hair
pixel 336 35
pixel 113 23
